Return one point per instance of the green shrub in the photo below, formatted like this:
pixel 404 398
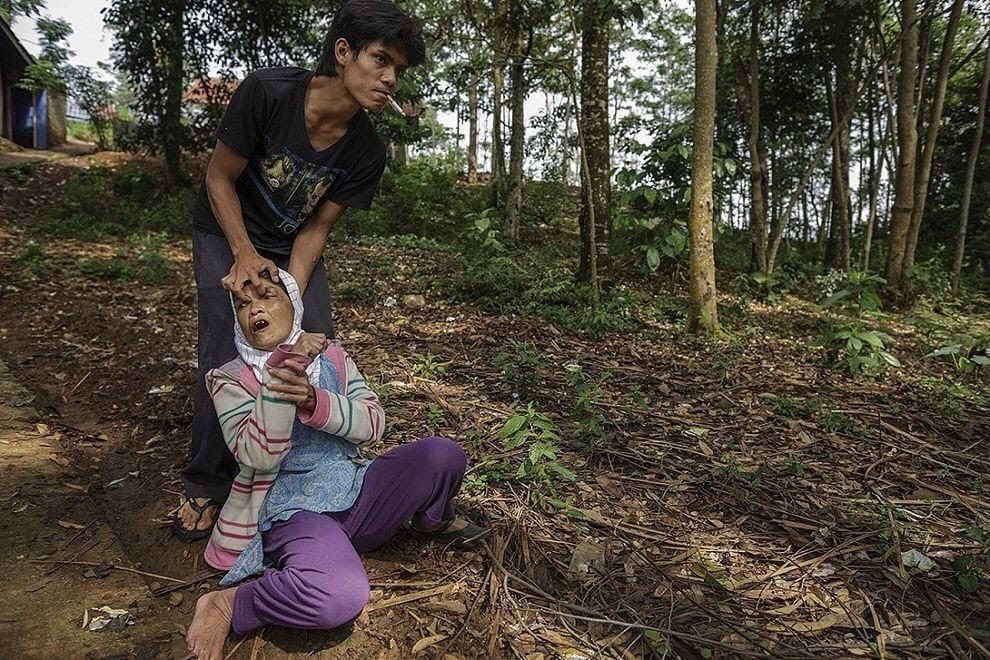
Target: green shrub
pixel 762 287
pixel 966 357
pixel 928 280
pixel 540 466
pixel 99 202
pixel 520 362
pixel 854 291
pixel 144 263
pixel 32 257
pixel 858 350
pixel 115 269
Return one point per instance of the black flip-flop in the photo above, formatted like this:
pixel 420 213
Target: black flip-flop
pixel 470 532
pixel 188 535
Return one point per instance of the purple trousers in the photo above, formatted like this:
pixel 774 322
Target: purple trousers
pixel 317 580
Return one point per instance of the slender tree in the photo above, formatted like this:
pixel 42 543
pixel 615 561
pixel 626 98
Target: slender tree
pixel 703 310
pixel 498 86
pixel 748 81
pixel 924 171
pixel 522 41
pixel 974 154
pixel 472 155
pixel 907 141
pixel 596 189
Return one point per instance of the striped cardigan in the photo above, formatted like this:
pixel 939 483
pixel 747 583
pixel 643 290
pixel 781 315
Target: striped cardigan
pixel 257 429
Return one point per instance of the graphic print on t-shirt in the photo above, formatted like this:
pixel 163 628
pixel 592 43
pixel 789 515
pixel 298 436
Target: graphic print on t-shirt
pixel 291 186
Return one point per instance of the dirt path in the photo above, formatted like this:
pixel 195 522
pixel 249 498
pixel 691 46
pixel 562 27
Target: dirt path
pixel 33 156
pixel 48 516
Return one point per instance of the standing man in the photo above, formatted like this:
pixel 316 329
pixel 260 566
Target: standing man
pixel 294 149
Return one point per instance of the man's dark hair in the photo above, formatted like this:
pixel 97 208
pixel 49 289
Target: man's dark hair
pixel 363 22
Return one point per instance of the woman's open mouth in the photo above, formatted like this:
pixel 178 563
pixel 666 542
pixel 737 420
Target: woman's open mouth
pixel 259 325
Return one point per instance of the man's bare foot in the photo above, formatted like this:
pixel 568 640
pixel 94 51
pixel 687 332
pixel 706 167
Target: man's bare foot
pixel 195 517
pixel 211 624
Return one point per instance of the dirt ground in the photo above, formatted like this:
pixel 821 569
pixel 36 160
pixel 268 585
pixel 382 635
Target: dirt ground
pixel 717 524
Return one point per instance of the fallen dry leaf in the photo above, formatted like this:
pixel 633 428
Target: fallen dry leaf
pixel 68 524
pixel 427 642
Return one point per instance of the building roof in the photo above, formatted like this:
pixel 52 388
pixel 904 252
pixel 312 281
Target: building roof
pixel 210 91
pixel 11 47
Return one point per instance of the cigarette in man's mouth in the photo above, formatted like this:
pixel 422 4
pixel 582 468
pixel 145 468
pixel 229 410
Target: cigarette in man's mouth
pixel 395 106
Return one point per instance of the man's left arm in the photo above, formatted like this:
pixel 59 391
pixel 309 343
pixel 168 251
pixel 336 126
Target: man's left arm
pixel 312 236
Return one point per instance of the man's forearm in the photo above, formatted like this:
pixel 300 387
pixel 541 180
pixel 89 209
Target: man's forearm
pixel 307 248
pixel 226 208
pixel 306 252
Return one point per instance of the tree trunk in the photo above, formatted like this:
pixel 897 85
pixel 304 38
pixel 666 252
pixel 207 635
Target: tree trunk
pixel 703 309
pixel 513 201
pixel 824 227
pixel 472 155
pixel 596 189
pixel 872 182
pixel 838 252
pixel 749 85
pixel 498 83
pixel 172 62
pixel 974 154
pixel 907 140
pixel 928 155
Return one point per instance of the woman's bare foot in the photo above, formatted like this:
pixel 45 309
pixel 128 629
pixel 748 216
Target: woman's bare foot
pixel 211 624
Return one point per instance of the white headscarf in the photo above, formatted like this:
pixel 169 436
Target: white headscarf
pixel 256 358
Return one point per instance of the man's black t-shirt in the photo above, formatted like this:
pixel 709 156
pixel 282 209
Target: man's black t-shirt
pixel 286 179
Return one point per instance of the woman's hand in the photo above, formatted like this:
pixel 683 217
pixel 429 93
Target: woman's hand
pixel 291 385
pixel 246 271
pixel 310 344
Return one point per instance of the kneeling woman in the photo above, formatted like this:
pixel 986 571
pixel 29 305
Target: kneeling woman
pixel 294 408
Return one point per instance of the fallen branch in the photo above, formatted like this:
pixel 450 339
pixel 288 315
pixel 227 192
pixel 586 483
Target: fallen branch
pixel 108 566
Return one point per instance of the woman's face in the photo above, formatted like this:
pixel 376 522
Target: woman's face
pixel 265 316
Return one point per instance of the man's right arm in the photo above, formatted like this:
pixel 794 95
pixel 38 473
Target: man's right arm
pixel 226 165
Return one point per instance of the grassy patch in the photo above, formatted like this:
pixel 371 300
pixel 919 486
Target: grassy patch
pixel 143 263
pixel 100 202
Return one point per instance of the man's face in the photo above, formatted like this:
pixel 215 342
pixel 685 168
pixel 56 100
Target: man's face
pixel 265 316
pixel 373 75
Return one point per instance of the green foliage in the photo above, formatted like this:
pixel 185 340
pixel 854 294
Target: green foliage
pixel 101 202
pixel 428 367
pixel 949 398
pixel 484 230
pixel 143 263
pixel 970 567
pixel 966 359
pixel 586 393
pixel 32 257
pixel 928 280
pixel 16 174
pixel 858 350
pixel 540 465
pixel 94 96
pixel 816 409
pixel 49 70
pixel 854 291
pixel 416 199
pixel 520 363
pixel 762 287
pixel 646 231
pixel 191 40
